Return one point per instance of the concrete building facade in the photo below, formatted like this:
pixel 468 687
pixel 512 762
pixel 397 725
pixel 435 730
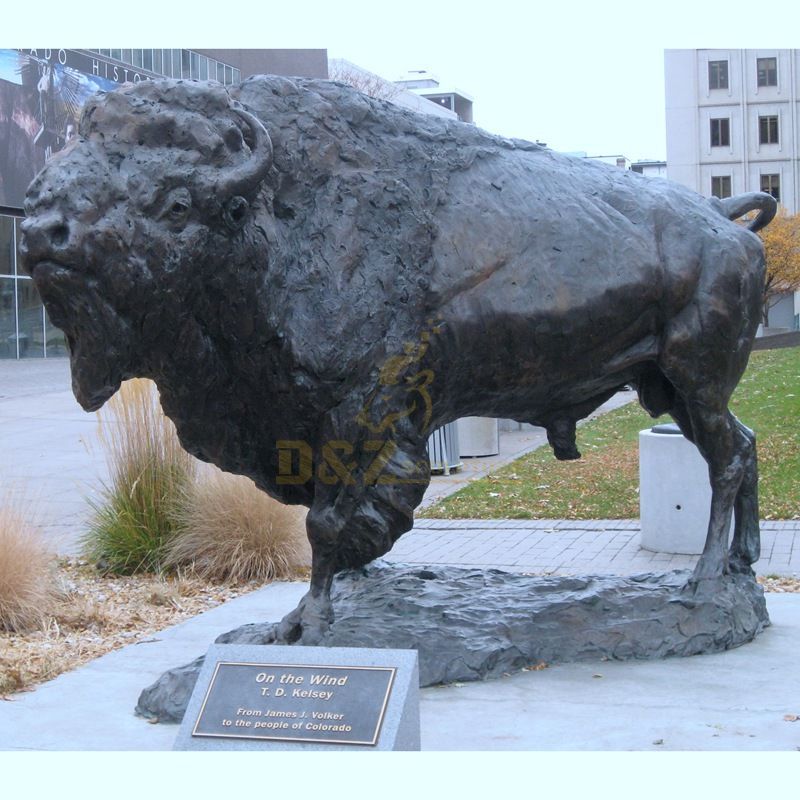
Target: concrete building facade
pixel 733 126
pixel 732 121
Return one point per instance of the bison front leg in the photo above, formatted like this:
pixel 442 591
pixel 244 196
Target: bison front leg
pixel 312 618
pixel 356 517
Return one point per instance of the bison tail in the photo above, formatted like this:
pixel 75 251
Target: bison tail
pixel 766 204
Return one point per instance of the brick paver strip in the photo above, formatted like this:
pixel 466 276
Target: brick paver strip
pixel 570 547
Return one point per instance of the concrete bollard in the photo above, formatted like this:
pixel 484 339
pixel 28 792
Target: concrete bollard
pixel 674 492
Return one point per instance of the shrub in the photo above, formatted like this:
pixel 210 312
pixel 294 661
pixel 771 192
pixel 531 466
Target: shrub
pixel 149 472
pixel 229 530
pixel 26 572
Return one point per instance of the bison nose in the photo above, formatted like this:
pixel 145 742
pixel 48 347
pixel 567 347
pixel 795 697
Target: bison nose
pixel 44 236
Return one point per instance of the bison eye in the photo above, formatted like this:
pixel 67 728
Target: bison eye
pixel 176 206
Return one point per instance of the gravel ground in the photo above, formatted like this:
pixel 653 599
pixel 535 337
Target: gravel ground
pixel 93 614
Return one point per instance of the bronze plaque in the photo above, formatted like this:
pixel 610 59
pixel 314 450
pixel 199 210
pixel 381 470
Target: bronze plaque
pixel 295 703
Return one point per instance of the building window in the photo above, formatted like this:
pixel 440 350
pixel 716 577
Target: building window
pixel 720 132
pixel 767 69
pixel 721 186
pixel 771 184
pixel 7 247
pixel 25 331
pixel 768 130
pixel 717 74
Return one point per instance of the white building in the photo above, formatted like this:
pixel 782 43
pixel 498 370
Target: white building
pixel 732 121
pixel 424 84
pixel 733 126
pixel 650 169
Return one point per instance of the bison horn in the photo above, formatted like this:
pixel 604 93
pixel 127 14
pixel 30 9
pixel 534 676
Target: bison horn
pixel 243 179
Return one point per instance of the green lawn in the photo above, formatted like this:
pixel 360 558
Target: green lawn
pixel 604 483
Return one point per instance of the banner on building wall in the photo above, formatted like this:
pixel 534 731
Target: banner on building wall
pixel 42 93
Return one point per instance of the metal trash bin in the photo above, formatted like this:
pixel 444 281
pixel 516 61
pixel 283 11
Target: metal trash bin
pixel 443 449
pixel 478 436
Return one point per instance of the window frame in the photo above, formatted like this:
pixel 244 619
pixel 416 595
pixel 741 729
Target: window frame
pixel 721 195
pixel 716 73
pixel 773 187
pixel 768 129
pixel 723 131
pixel 766 76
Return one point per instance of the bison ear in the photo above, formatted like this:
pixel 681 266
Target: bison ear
pixel 234 212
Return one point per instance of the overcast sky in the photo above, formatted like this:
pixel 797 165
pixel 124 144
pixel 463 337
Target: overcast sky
pixel 579 76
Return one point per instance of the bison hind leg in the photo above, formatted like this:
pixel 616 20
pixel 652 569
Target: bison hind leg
pixel 746 545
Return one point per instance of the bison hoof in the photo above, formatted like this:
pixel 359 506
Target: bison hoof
pixel 308 624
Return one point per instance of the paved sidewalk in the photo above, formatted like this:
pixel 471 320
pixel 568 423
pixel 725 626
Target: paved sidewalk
pixel 49 455
pixel 570 547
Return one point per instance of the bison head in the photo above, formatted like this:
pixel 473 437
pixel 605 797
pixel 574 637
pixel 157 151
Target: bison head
pixel 120 221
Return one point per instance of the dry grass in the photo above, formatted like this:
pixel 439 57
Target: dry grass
pixel 229 530
pixel 149 472
pixel 26 585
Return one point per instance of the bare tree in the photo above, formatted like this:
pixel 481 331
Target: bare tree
pixel 361 79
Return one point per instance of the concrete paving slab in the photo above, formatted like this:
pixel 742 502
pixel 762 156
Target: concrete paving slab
pixel 735 700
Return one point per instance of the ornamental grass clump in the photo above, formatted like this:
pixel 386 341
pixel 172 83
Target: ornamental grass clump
pixel 229 530
pixel 149 473
pixel 26 572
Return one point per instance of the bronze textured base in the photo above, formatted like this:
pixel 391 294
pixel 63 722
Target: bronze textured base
pixel 474 624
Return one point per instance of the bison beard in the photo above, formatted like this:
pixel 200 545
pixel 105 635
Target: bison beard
pixel 316 280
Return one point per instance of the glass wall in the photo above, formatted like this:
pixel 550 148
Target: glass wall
pixel 25 330
pixel 174 63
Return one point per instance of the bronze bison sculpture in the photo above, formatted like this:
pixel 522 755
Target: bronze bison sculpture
pixel 316 280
